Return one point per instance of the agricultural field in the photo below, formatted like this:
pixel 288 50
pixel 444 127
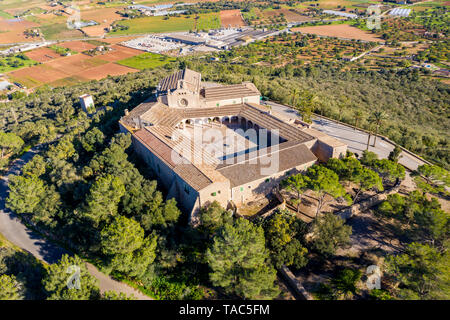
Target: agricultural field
pixel 78 46
pixel 258 16
pixel 146 60
pixel 120 52
pixel 12 30
pixel 42 54
pixel 296 50
pixel 58 70
pixel 430 23
pixel 60 31
pixel 344 31
pixel 167 24
pixel 231 18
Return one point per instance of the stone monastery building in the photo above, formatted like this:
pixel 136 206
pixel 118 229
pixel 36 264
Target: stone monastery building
pixel 243 149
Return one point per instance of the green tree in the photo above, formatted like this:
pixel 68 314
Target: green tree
pixel 35 167
pixel 25 193
pixel 358 116
pixel 63 150
pixel 9 142
pixel 283 233
pixel 164 215
pixel 434 174
pixel 389 170
pixel 70 272
pixel 124 243
pixel 93 140
pixel 367 180
pixel 420 273
pixel 377 119
pixel 238 261
pixel 330 233
pixel 10 288
pixel 103 199
pixel 394 155
pixel 308 102
pixel 368 158
pixel 113 295
pixel 122 236
pixel 393 206
pixel 344 284
pixel 324 182
pixel 214 216
pixel 297 183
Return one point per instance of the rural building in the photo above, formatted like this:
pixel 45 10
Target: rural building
pixel 207 142
pixel 87 103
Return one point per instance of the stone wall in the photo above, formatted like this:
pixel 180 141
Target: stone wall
pixel 365 204
pixel 295 284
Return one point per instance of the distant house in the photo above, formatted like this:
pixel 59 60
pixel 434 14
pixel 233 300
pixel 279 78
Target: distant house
pixel 87 103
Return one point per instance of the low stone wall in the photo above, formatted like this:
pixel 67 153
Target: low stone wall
pixel 365 204
pixel 295 284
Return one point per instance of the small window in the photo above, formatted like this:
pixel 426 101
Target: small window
pixel 213 194
pixel 242 188
pixel 217 104
pixel 267 180
pixel 249 187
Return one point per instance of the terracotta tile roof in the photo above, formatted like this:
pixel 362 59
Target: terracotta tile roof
pixel 193 176
pixel 247 171
pixel 229 92
pixel 133 116
pixel 191 78
pixel 264 120
pixel 187 171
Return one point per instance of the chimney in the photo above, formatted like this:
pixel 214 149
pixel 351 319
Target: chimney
pixel 126 112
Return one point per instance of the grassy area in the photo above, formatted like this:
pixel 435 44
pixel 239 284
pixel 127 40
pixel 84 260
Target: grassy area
pixel 65 82
pixel 97 42
pixel 162 24
pixel 146 61
pixel 15 62
pixel 62 51
pixel 59 31
pixel 28 82
pixel 6 15
pixel 4 243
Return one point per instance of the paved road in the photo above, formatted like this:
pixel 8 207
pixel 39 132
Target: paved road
pixel 44 250
pixel 355 139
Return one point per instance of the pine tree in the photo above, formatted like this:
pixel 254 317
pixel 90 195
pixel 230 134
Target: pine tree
pixel 238 260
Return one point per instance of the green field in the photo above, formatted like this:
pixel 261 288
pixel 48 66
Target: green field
pixel 162 24
pixel 16 62
pixel 146 61
pixel 59 31
pixel 65 82
pixel 5 15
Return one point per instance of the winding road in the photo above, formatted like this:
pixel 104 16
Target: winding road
pixel 16 232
